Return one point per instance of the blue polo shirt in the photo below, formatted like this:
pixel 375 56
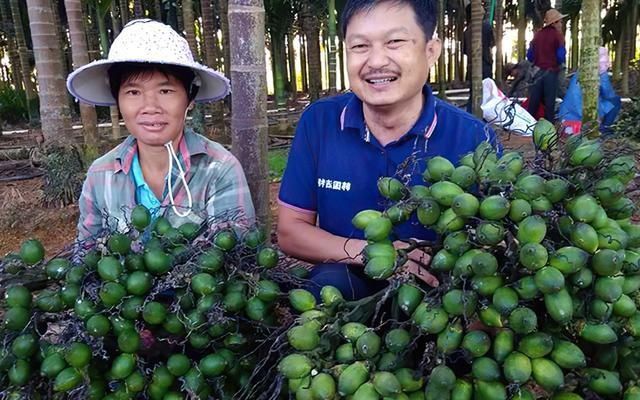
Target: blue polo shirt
pixel 334 162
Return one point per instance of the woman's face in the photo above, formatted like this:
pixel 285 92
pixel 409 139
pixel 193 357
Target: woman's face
pixel 154 107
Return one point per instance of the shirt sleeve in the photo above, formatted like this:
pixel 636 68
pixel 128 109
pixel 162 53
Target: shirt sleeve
pixel 530 53
pixel 561 55
pixel 229 193
pixel 299 189
pixel 90 221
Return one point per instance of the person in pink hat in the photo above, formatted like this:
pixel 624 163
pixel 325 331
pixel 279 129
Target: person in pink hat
pixel 150 74
pixel 548 53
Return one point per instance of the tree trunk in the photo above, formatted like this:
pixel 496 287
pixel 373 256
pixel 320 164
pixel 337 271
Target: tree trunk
pixel 157 9
pixel 476 57
pixel 522 28
pixel 311 27
pixel 12 47
pixel 187 15
pixel 291 55
pixel 498 36
pixel 277 44
pixel 104 45
pixel 303 63
pixel 342 66
pixel 629 36
pixel 575 41
pixel 224 27
pixel 450 53
pixel 138 10
pixel 23 54
pixel 459 39
pixel 589 79
pixel 442 86
pixel 63 178
pixel 115 22
pixel 331 49
pixel 211 58
pixel 80 56
pixel 124 11
pixel 249 126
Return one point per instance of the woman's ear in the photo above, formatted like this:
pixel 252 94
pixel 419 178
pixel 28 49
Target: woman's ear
pixel 191 105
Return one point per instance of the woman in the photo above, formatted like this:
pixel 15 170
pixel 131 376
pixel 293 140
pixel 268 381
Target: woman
pixel 150 74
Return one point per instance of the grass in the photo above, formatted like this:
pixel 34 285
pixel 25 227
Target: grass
pixel 277 163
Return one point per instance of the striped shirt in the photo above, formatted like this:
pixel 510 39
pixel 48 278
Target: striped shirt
pixel 215 177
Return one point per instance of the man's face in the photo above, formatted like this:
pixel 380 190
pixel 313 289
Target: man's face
pixel 388 56
pixel 153 107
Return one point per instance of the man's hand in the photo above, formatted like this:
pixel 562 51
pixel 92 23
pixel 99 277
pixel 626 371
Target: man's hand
pixel 418 263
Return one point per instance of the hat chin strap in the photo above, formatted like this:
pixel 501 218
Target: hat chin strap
pixel 172 156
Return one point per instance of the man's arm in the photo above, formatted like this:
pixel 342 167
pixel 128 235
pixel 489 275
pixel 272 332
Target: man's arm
pixel 299 237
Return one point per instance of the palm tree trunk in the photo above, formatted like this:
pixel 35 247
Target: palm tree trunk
pixel 12 47
pixel 575 41
pixel 249 126
pixel 157 7
pixel 311 27
pixel 589 79
pixel 80 56
pixel 442 85
pixel 124 11
pixel 459 39
pixel 450 53
pixel 138 10
pixel 342 66
pixel 476 57
pixel 187 15
pixel 63 166
pixel 277 43
pixel 629 36
pixel 115 22
pixel 291 56
pixel 104 45
pixel 522 27
pixel 211 57
pixel 331 53
pixel 23 54
pixel 303 63
pixel 224 27
pixel 498 36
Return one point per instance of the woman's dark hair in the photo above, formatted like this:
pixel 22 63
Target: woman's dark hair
pixel 426 13
pixel 120 73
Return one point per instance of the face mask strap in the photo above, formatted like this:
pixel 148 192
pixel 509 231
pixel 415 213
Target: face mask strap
pixel 172 156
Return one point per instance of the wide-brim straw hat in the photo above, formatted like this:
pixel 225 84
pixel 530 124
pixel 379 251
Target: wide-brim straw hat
pixel 144 41
pixel 552 15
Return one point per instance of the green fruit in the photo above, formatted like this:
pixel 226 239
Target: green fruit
pixel 526 288
pixel 24 346
pixel 109 269
pixel 443 261
pixel 503 344
pixel 607 262
pixel 295 366
pixel 386 384
pixel 129 341
pixel 430 319
pixel 583 208
pixel 517 368
pixel 462 390
pixel 267 290
pixel 140 217
pixel 213 365
pixel 122 366
pixel 49 301
pixel 556 190
pixel 457 243
pixel 465 205
pixel 486 285
pixel 419 192
pixel 457 302
pixel 268 257
pixel 154 313
pixel 549 280
pixel 323 387
pixel 536 345
pixel 256 309
pixel 585 237
pixel 477 343
pixel 489 391
pixel 16 318
pixel 31 252
pixel 98 325
pixel 57 268
pixel 444 192
pixel 392 188
pixel 428 212
pixel 69 294
pixel 569 259
pixel 135 382
pixel 234 301
pixel 303 338
pixel 533 256
pixel 608 289
pixel 78 355
pixel 366 391
pixel 532 229
pixel 189 230
pixel 111 293
pixel 568 355
pixel 609 190
pixel 494 208
pixel 544 135
pixel 203 284
pixel 442 377
pixel 519 210
pixel 157 261
pixel 439 169
pixel 344 353
pixel 448 222
pixel 354 376
pixel 523 320
pixel 302 300
pixel 368 345
pixel 378 229
pixel 67 379
pixel 52 365
pixel 450 338
pixel 397 340
pixel 409 296
pixel 547 374
pixel 624 307
pixel 484 264
pixel 178 364
pixel 603 382
pixel 588 154
pixel 362 219
pixel 134 262
pixel 490 317
pixel 380 267
pixel 490 233
pixel 559 305
pixel 119 243
pixel 463 176
pixel 225 240
pixel 18 296
pixel 529 187
pixel 505 299
pixel 139 283
pixel 410 380
pixel 598 333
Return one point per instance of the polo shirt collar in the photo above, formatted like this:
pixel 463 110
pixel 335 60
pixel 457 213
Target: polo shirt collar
pixel 352 116
pixel 190 145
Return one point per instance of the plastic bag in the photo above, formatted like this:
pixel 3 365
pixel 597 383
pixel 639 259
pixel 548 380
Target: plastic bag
pixel 500 110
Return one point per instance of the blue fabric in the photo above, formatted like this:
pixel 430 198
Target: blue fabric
pixel 333 167
pixel 609 102
pixel 561 55
pixel 352 283
pixel 530 53
pixel 144 194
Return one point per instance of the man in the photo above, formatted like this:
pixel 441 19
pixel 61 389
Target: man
pixel 547 52
pixel 151 76
pixel 343 144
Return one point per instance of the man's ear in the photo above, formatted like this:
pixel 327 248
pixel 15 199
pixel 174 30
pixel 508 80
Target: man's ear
pixel 433 48
pixel 191 105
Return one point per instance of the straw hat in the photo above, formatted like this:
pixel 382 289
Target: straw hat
pixel 144 41
pixel 552 15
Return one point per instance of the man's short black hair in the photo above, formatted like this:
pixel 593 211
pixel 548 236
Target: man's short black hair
pixel 120 73
pixel 426 13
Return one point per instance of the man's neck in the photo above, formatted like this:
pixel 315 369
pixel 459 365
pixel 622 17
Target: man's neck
pixel 389 123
